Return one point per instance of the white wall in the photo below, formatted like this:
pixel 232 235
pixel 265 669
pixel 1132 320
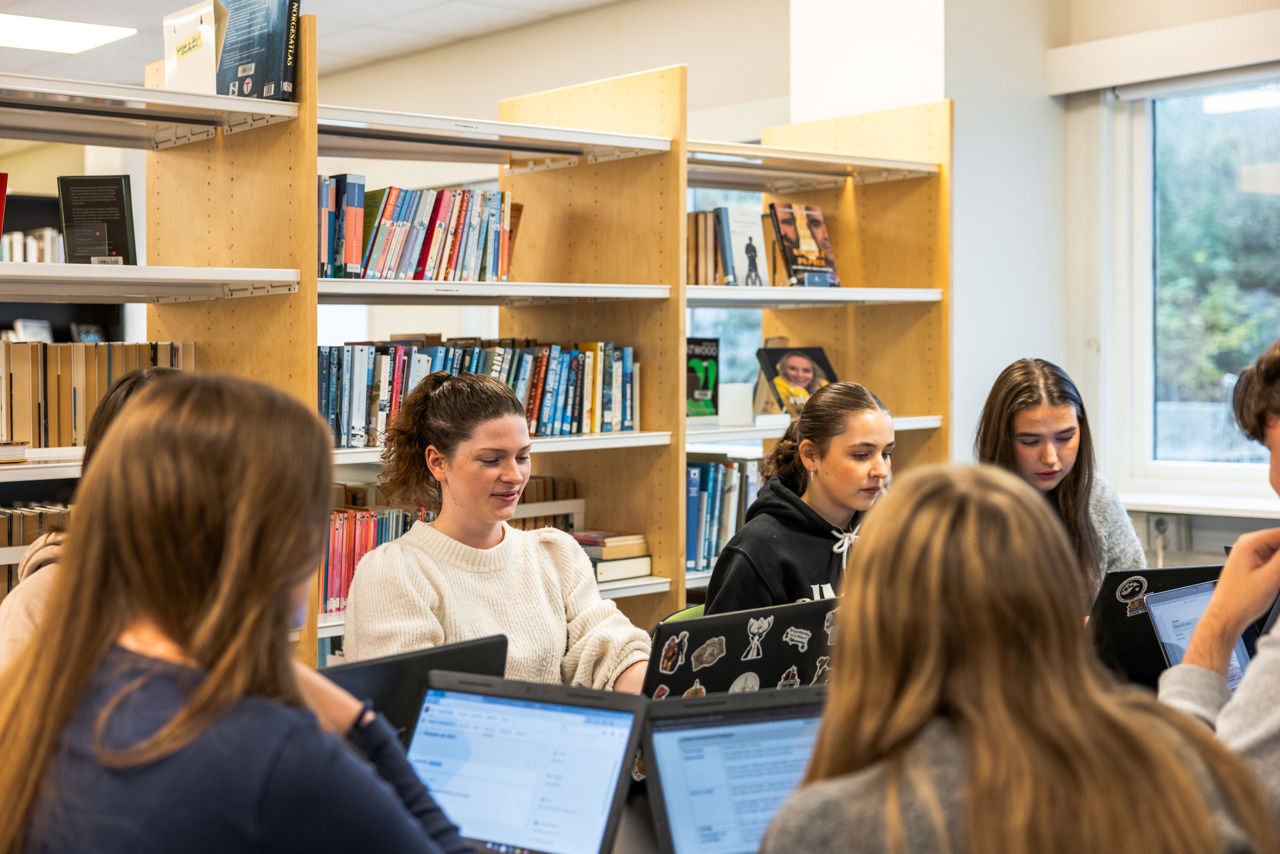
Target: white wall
pixel 736 51
pixel 1007 220
pixel 1099 19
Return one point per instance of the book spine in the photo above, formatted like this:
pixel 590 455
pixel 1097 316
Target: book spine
pixel 522 377
pixel 575 420
pixel 355 224
pixel 505 259
pixel 340 246
pixel 345 437
pixel 547 410
pixel 606 392
pixel 559 424
pixel 535 388
pixel 628 391
pixel 377 251
pixel 724 246
pixel 429 239
pixel 440 235
pixel 693 480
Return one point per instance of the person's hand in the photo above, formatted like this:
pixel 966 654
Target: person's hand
pixel 631 680
pixel 335 708
pixel 1247 587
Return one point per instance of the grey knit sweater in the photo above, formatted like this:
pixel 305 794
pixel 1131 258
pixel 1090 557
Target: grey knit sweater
pixel 848 813
pixel 1120 546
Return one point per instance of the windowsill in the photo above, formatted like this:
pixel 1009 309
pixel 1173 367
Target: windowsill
pixel 1238 506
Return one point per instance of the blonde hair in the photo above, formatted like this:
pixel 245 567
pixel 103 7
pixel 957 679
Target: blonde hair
pixel 205 506
pixel 955 606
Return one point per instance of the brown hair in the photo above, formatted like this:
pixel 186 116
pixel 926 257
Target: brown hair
pixel 953 608
pixel 1256 398
pixel 1025 384
pixel 204 509
pixel 824 416
pixel 443 410
pixel 109 407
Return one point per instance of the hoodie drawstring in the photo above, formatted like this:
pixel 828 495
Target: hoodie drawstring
pixel 844 542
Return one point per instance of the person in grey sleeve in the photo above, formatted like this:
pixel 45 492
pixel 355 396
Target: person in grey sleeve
pixel 1034 425
pixel 967 712
pixel 1247 721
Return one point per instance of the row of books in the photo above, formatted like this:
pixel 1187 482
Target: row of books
pixel 449 235
pixel 48 392
pixel 615 556
pixel 717 497
pixel 543 488
pixel 566 390
pixel 726 246
pixel 22 524
pixel 41 246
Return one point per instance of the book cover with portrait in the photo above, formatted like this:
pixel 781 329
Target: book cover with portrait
pixel 801 232
pixel 794 373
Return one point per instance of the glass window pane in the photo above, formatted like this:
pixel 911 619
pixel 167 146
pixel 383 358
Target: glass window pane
pixel 739 329
pixel 1216 264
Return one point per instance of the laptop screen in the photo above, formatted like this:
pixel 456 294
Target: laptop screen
pixel 724 776
pixel 1175 613
pixel 521 774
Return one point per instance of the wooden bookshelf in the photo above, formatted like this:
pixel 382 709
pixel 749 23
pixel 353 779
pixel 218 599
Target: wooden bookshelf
pixel 400 292
pixel 90 283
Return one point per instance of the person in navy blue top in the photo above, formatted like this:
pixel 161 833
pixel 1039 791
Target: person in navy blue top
pixel 158 707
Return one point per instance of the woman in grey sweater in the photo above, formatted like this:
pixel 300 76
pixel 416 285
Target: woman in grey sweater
pixel 967 712
pixel 1034 425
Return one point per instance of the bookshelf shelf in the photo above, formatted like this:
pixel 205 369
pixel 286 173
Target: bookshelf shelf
pixel 697 580
pixel 541 445
pixel 771 169
pixel 722 296
pixel 702 439
pixel 353 132
pixel 400 292
pixel 84 113
pixel 11 555
pixel 88 283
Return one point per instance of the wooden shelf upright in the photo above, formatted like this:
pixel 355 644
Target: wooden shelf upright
pixel 618 221
pixel 894 234
pixel 245 200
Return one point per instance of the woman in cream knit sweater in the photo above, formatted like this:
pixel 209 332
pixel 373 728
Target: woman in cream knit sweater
pixel 464 441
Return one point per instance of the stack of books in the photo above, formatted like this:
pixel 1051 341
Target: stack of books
pixel 616 556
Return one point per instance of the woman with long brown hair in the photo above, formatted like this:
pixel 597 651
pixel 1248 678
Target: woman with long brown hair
pixel 967 711
pixel 157 706
pixel 1034 424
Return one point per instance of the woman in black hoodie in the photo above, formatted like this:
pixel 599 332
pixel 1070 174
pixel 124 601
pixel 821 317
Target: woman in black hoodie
pixel 830 467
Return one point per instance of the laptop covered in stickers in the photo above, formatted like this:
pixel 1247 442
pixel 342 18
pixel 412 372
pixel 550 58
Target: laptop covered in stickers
pixel 785 646
pixel 719 767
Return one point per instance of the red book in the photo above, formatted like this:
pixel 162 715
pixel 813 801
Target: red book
pixel 449 269
pixel 435 230
pixel 400 357
pixel 4 188
pixel 536 384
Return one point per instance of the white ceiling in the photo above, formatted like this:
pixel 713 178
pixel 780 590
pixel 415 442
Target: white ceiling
pixel 351 33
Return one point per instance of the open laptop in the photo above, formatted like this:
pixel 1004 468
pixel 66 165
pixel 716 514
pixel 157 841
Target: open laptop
pixel 395 684
pixel 785 646
pixel 720 767
pixel 1174 615
pixel 525 767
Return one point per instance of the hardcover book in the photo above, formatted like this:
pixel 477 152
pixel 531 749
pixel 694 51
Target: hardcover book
pixel 702 381
pixel 794 373
pixel 259 56
pixel 749 252
pixel 97 219
pixel 801 232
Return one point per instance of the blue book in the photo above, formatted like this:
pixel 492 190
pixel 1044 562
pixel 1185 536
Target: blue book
pixel 437 359
pixel 628 393
pixel 523 375
pixel 713 479
pixel 322 381
pixel 419 367
pixel 396 222
pixel 548 409
pixel 335 383
pixel 716 510
pixel 693 481
pixel 344 435
pixel 340 230
pixel 560 424
pixel 455 360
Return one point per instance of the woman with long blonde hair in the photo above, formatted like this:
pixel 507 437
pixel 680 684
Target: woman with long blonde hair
pixel 157 706
pixel 968 713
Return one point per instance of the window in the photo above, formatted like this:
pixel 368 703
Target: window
pixel 1215 263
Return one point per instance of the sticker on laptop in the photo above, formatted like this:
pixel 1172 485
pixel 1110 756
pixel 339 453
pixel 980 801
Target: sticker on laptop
pixel 695 690
pixel 709 653
pixel 745 684
pixel 797 637
pixel 673 653
pixel 757 628
pixel 661 692
pixel 790 678
pixel 821 674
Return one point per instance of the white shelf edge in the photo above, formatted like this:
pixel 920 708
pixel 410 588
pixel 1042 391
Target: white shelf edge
pixel 749 166
pixel 765 432
pixel 627 587
pixel 697 580
pixel 44 464
pixel 541 445
pixel 1243 507
pixel 109 283
pixel 729 296
pixel 402 292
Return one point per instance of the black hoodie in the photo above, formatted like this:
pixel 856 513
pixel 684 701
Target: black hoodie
pixel 783 554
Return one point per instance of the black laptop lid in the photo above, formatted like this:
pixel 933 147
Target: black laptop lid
pixel 526 767
pixel 395 684
pixel 786 646
pixel 718 768
pixel 1122 631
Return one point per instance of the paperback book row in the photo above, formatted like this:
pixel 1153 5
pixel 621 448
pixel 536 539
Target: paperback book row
pixel 726 246
pixel 566 390
pixel 717 497
pixel 40 246
pixel 541 489
pixel 22 524
pixel 48 392
pixel 450 235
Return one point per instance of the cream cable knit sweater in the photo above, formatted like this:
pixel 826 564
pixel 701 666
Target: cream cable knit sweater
pixel 536 587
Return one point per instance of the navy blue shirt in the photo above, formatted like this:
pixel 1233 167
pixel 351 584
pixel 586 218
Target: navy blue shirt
pixel 264 777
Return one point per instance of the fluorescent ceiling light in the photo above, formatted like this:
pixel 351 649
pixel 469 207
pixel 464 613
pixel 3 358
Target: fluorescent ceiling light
pixel 1238 102
pixel 53 36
